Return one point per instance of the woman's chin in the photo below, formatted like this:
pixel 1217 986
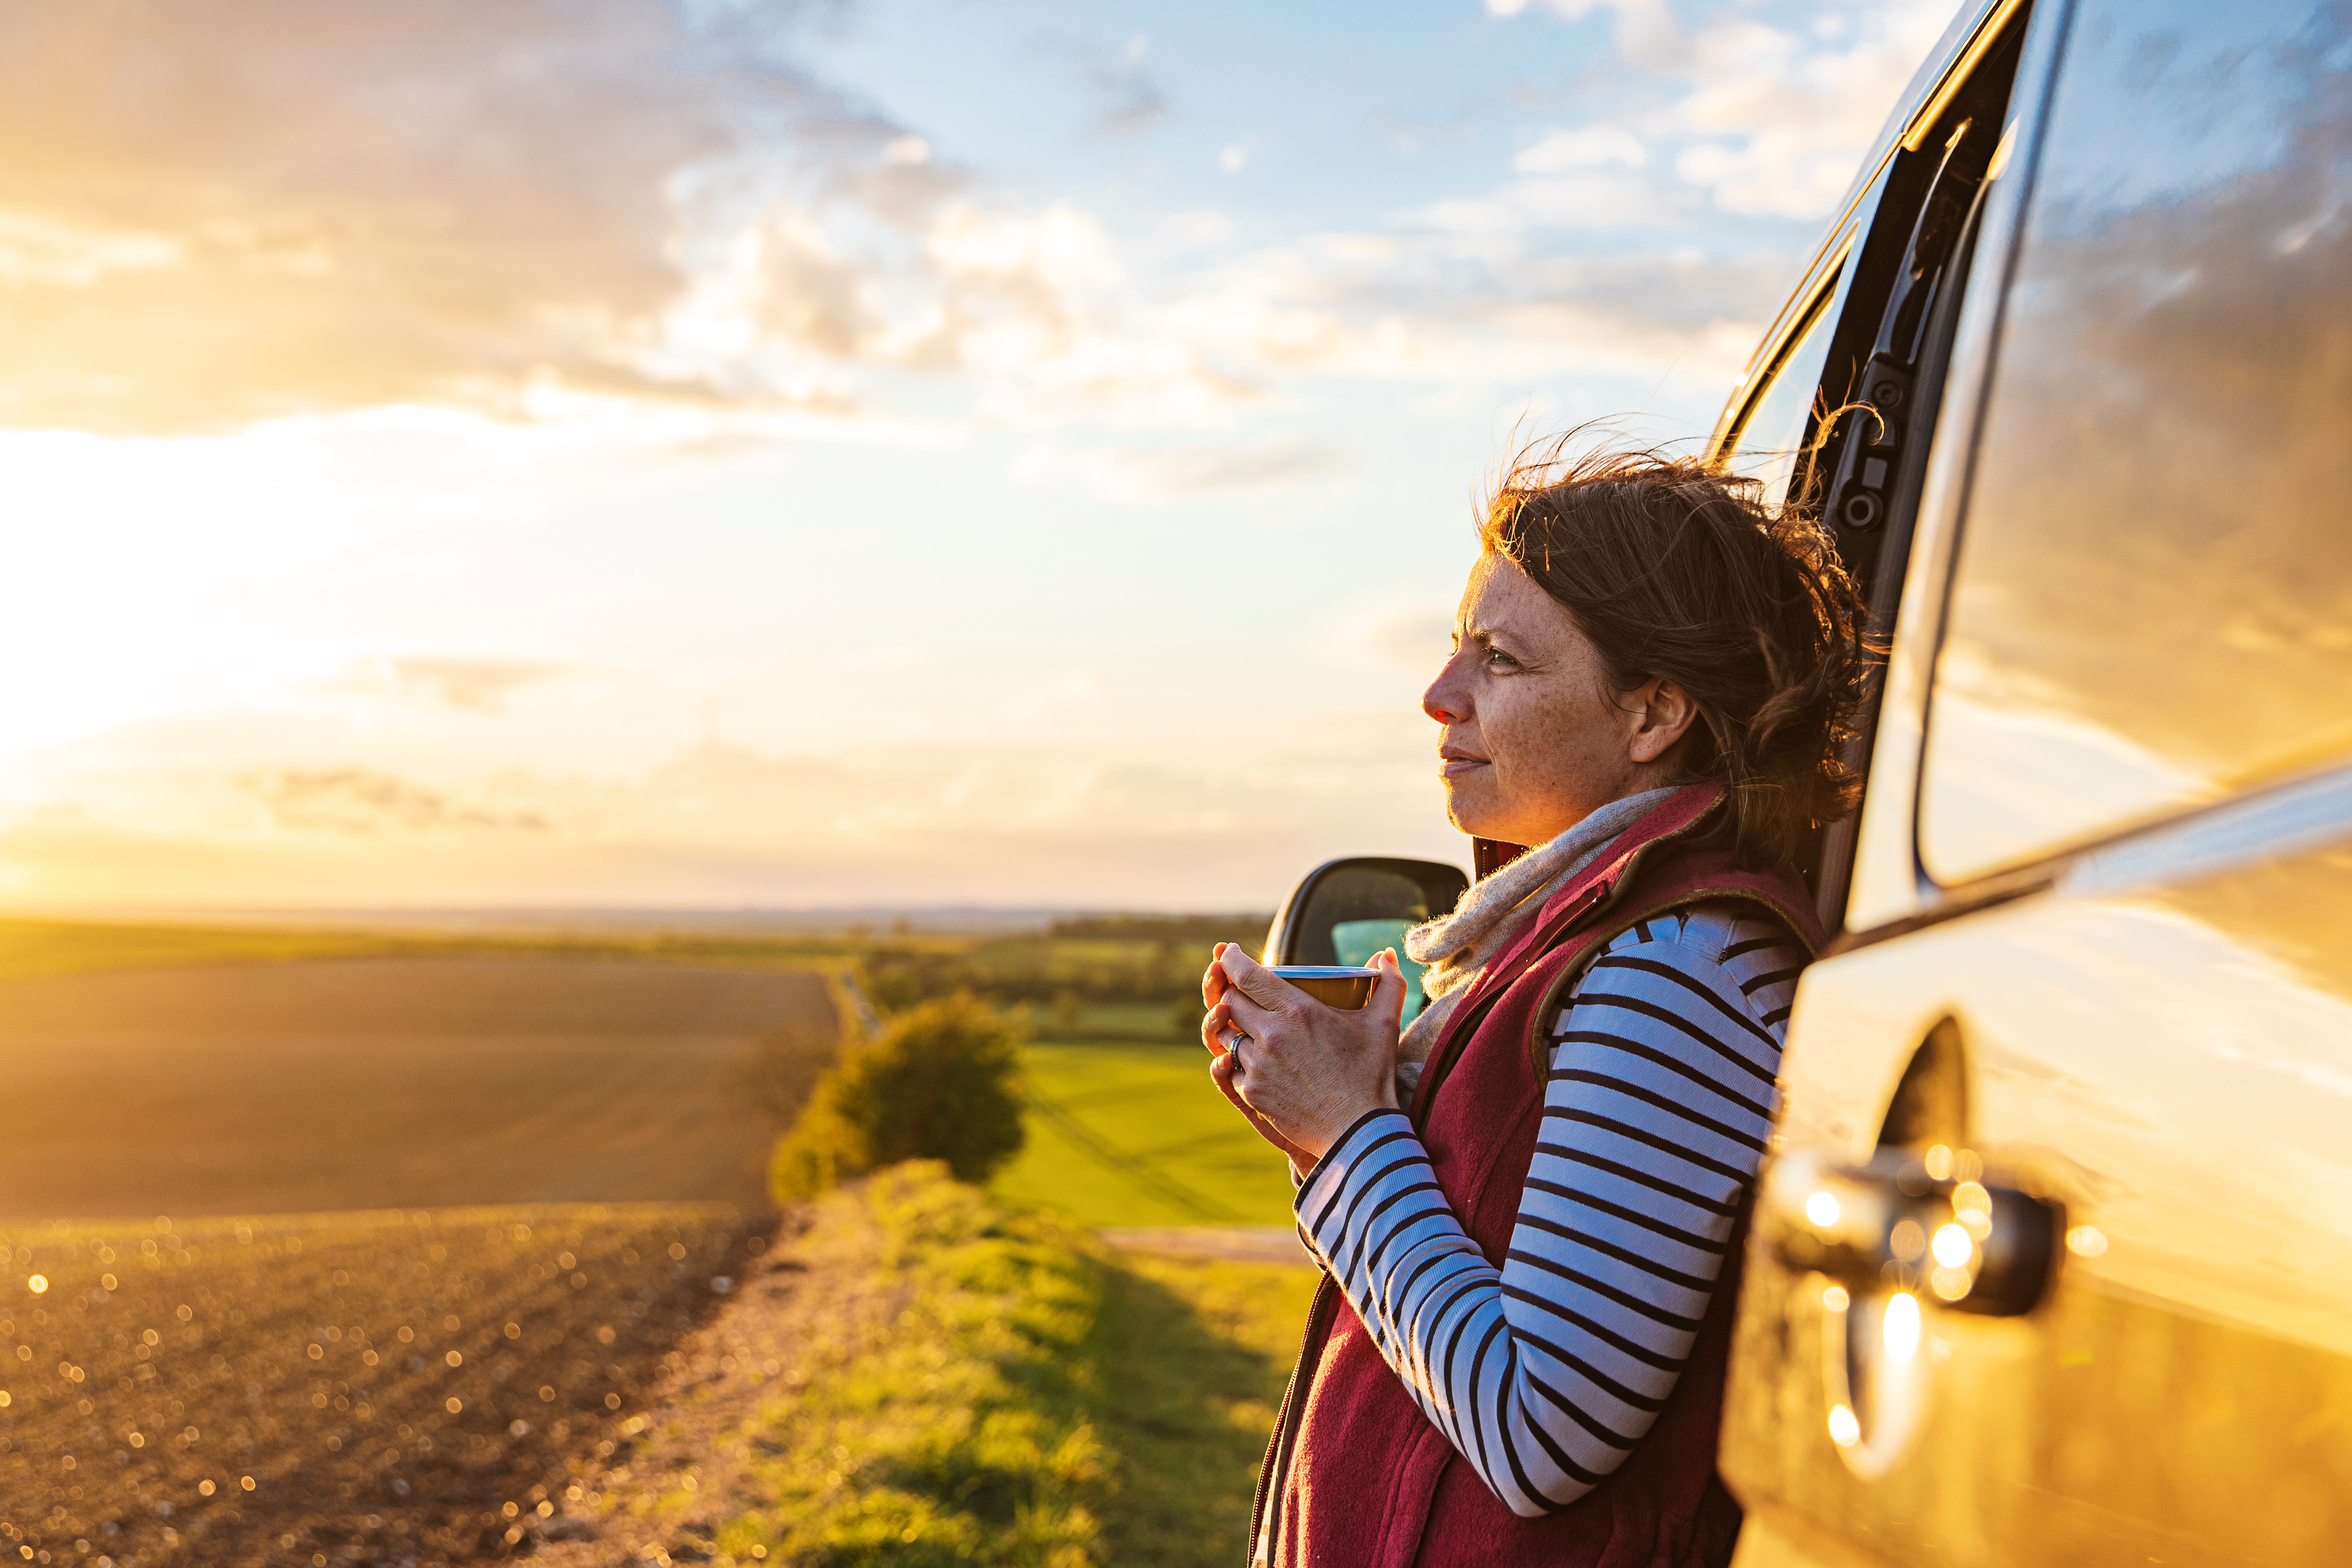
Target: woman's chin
pixel 1471 813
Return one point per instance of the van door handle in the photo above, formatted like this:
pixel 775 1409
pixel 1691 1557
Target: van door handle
pixel 1977 1245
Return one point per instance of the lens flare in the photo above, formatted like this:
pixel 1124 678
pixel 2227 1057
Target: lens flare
pixel 1900 1326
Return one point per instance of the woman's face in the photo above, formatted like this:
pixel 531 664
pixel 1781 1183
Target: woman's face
pixel 1535 741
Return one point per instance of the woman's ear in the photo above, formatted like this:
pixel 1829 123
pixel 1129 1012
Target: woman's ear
pixel 1663 713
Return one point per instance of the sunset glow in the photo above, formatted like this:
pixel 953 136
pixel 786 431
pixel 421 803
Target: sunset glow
pixel 723 453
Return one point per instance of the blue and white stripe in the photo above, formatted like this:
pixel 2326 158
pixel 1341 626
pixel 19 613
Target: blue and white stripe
pixel 1546 1372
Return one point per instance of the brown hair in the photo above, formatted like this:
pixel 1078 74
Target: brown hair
pixel 1681 574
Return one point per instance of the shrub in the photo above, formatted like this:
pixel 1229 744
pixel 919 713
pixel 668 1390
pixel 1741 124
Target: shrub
pixel 941 1082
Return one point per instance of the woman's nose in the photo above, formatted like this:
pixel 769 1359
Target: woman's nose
pixel 1442 701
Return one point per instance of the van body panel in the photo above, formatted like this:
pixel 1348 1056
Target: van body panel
pixel 2170 1060
pixel 2138 1005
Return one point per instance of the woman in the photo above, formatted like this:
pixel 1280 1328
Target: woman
pixel 1529 1206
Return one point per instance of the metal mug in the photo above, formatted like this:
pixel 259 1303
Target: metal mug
pixel 1344 987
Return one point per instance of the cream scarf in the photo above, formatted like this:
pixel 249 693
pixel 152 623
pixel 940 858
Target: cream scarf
pixel 1495 910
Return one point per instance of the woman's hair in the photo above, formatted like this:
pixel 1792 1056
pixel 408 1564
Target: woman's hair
pixel 1680 574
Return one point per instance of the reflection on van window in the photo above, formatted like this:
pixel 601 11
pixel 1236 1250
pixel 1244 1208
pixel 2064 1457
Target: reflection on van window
pixel 1765 445
pixel 2153 600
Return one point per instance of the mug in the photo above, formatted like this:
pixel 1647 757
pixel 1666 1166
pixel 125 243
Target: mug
pixel 1344 987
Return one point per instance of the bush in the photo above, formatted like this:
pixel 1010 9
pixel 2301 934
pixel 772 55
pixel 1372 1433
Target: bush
pixel 940 1083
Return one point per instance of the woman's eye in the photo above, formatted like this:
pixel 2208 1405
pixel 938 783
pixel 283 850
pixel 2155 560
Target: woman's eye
pixel 1497 658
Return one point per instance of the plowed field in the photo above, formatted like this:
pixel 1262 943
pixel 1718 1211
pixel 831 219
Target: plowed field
pixel 386 1388
pixel 383 1083
pixel 400 1375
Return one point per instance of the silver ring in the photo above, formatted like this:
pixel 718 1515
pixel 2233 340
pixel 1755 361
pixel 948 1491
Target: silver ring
pixel 1234 1047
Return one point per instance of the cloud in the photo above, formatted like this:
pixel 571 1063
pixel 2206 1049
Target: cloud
pixel 1167 826
pixel 1565 149
pixel 1576 201
pixel 1769 122
pixel 234 208
pixel 1783 117
pixel 1127 97
pixel 479 686
pixel 37 252
pixel 471 685
pixel 364 801
pixel 1169 473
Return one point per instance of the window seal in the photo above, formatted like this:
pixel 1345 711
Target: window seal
pixel 1802 310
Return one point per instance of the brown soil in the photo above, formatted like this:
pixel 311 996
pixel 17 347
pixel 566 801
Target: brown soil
pixel 379 1083
pixel 396 1388
pixel 166 1354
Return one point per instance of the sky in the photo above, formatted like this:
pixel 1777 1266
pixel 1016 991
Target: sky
pixel 876 453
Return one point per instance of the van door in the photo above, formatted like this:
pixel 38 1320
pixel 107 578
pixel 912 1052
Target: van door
pixel 2052 1262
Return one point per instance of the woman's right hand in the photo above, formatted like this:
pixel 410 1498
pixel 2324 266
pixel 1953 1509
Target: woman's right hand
pixel 1214 983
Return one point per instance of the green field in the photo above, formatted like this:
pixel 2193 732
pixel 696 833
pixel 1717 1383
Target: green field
pixel 1137 1135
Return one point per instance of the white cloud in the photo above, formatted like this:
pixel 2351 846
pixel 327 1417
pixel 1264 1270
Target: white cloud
pixel 1772 119
pixel 1784 119
pixel 717 823
pixel 1590 201
pixel 1565 149
pixel 35 250
pixel 1161 473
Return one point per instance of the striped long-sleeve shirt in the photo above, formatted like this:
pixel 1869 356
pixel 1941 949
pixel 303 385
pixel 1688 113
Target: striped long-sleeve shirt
pixel 1546 1372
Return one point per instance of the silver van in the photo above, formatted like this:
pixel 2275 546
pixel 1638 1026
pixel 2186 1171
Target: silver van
pixel 2052 1260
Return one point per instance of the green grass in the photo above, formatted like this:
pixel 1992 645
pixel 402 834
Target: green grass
pixel 1136 1023
pixel 1137 1135
pixel 1009 1393
pixel 1193 1354
pixel 958 1433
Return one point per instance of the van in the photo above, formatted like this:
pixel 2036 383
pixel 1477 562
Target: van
pixel 2051 1259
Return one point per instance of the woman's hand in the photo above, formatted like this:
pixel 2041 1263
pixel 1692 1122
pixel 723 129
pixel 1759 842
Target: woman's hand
pixel 1307 1071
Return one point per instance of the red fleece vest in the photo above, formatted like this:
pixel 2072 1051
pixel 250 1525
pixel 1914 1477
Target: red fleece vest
pixel 1366 1481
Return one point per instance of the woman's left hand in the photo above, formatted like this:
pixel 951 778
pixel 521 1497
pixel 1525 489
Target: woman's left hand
pixel 1307 1071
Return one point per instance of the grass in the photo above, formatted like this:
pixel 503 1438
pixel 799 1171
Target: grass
pixel 998 1390
pixel 1137 1135
pixel 1138 1023
pixel 1193 1354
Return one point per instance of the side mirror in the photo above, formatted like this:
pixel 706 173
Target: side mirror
pixel 1344 911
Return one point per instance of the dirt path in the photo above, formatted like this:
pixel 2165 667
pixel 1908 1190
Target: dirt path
pixel 379 1083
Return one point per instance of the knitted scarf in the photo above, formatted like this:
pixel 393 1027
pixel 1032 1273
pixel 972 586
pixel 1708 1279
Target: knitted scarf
pixel 1492 913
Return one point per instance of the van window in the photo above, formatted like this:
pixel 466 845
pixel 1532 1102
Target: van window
pixel 1779 417
pixel 2152 602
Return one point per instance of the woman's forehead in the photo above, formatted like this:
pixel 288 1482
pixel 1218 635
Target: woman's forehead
pixel 1499 597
